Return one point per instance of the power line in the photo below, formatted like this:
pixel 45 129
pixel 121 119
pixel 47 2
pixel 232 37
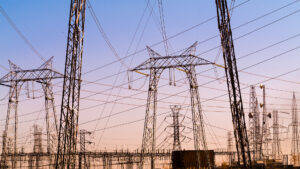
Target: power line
pixel 104 35
pixel 242 88
pixel 12 24
pixel 219 46
pixel 168 38
pixel 244 68
pixel 3 67
pixel 131 122
pixel 208 39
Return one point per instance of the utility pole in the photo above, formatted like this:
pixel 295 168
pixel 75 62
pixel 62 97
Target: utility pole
pixel 233 84
pixel 186 62
pixel 295 136
pixel 82 157
pixel 176 134
pixel 15 79
pixel 67 138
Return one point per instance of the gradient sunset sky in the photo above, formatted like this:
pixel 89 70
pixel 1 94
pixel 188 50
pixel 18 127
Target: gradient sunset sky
pixel 267 45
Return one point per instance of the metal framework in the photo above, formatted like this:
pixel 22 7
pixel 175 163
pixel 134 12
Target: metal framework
pixel 176 134
pixel 234 91
pixel 254 125
pixel 230 148
pixel 295 136
pixel 83 164
pixel 15 79
pixel 97 159
pixel 276 141
pixel 67 138
pixel 37 144
pixel 265 137
pixel 186 62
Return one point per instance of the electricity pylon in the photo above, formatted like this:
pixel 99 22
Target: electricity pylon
pixel 254 125
pixel 176 134
pixel 230 148
pixel 233 84
pixel 186 62
pixel 276 141
pixel 295 136
pixel 83 164
pixel 265 138
pixel 15 79
pixel 68 129
pixel 37 145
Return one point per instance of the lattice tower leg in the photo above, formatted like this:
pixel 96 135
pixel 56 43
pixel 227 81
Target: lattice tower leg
pixel 104 163
pixel 14 92
pixel 110 163
pixel 80 160
pixel 148 143
pixel 129 163
pixel 197 116
pixel 50 110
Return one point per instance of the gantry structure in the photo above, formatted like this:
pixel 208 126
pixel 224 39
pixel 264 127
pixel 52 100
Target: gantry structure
pixel 233 84
pixel 186 62
pixel 68 128
pixel 15 79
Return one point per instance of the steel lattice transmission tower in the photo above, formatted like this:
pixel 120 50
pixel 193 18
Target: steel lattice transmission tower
pixel 37 145
pixel 265 133
pixel 186 62
pixel 295 136
pixel 15 79
pixel 67 139
pixel 234 91
pixel 276 141
pixel 230 148
pixel 176 134
pixel 254 125
pixel 83 163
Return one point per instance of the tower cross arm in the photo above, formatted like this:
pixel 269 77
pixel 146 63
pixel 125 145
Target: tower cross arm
pixel 164 62
pixel 29 75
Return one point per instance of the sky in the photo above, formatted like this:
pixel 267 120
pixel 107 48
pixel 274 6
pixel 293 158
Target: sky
pixel 266 38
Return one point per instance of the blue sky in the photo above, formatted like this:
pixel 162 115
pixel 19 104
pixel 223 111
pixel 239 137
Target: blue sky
pixel 44 23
